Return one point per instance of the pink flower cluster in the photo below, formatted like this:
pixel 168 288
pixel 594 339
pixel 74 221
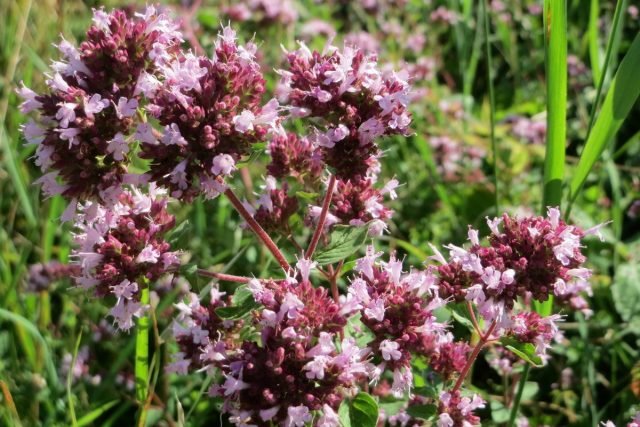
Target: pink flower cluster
pixel 455 161
pixel 88 113
pixel 121 246
pixel 293 370
pixel 211 114
pixel 532 257
pixel 355 102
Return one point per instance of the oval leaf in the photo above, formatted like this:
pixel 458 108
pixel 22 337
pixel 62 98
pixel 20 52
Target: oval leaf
pixel 345 241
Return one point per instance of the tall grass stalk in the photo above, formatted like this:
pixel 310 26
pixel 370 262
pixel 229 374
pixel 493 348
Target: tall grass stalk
pixel 492 104
pixel 555 24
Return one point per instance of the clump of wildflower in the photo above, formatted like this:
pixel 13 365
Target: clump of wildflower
pixel 41 275
pixel 442 15
pixel 532 256
pixel 200 333
pixel 89 110
pixel 397 307
pixel 121 246
pixel 457 162
pixel 211 113
pixel 362 40
pixel 502 360
pixel 456 410
pixel 263 11
pixel 529 327
pixel 356 103
pixel 532 131
pixel 80 371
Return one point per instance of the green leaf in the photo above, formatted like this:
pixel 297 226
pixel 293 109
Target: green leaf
pixel 243 303
pixel 422 411
pixel 461 315
pixel 174 236
pixel 626 292
pixel 525 351
pixel 362 411
pixel 345 240
pixel 306 195
pixel 622 94
pixel 499 413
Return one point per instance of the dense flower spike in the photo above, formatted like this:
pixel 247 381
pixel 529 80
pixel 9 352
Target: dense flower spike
pixel 357 203
pixel 275 207
pixel 211 113
pixel 89 110
pixel 295 157
pixel 121 246
pixel 356 102
pixel 533 256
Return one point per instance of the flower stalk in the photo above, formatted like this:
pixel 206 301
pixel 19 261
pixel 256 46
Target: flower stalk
pixel 322 218
pixel 257 229
pixel 474 354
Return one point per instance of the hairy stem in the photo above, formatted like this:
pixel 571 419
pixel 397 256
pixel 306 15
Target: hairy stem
pixel 222 276
pixel 322 218
pixel 474 354
pixel 257 229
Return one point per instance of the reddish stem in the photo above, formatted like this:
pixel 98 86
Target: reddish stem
pixel 262 235
pixel 334 281
pixel 474 354
pixel 223 276
pixel 322 218
pixel 473 318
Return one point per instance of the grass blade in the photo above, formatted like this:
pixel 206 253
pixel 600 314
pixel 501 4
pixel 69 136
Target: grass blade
pixel 96 413
pixel 142 353
pixel 33 330
pixel 492 103
pixel 602 74
pixel 594 45
pixel 624 90
pixel 556 64
pixel 72 409
pixel 555 16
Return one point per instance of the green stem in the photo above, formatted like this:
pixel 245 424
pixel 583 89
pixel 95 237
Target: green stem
pixel 142 350
pixel 518 397
pixel 492 104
